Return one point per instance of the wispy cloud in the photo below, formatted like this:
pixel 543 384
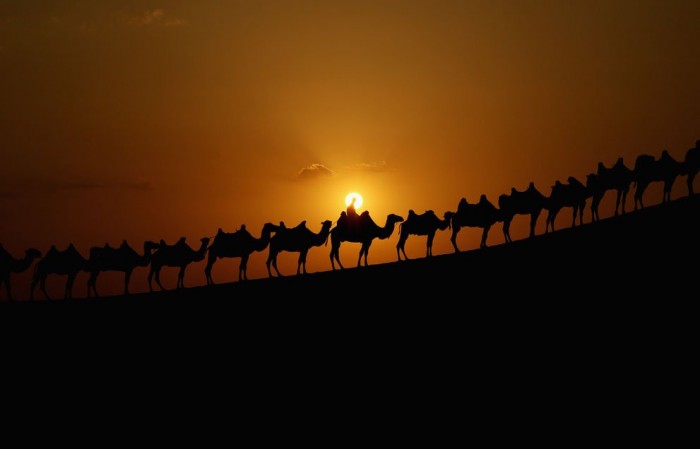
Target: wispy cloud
pixel 314 171
pixel 378 166
pixel 155 17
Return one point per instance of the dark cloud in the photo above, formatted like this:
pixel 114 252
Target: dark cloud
pixel 314 171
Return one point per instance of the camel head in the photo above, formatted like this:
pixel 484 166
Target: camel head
pixel 32 253
pixel 326 229
pixel 268 228
pixel 199 255
pixel 447 216
pixel 393 219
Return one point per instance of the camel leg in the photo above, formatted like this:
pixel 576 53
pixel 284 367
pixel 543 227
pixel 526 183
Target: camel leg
pixel 533 222
pixel 484 236
pixel 573 222
pixel 127 278
pixel 335 255
pixel 689 181
pixel 429 249
pixel 302 262
pixel 158 280
pixel 274 265
pixel 69 287
pixel 92 284
pixel 32 287
pixel 243 269
pixel 453 239
pixel 42 286
pixel 181 277
pixel 506 230
pixel 400 245
pixel 267 264
pixel 365 249
pixel 581 209
pixel 150 278
pixel 207 269
pixel 667 190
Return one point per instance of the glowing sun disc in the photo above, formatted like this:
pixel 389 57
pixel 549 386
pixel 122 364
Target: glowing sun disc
pixel 358 199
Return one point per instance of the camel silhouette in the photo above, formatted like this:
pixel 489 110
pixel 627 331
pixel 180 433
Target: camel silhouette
pixel 365 232
pixel 618 178
pixel 124 259
pixel 647 170
pixel 572 194
pixel 426 224
pixel 529 202
pixel 178 255
pixel 480 215
pixel 298 239
pixel 9 265
pixel 691 165
pixel 68 263
pixel 237 244
pixel 596 190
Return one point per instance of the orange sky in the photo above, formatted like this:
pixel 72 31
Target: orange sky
pixel 159 119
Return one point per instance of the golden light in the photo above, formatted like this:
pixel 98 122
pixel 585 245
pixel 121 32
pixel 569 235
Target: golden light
pixel 358 199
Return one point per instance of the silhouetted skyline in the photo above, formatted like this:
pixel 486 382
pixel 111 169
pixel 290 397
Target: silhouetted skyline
pixel 130 122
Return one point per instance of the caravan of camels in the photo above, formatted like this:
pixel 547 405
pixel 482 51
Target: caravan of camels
pixel 358 228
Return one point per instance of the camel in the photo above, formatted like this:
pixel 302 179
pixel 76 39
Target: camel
pixel 178 255
pixel 68 262
pixel 481 215
pixel 298 239
pixel 124 259
pixel 572 194
pixel 618 178
pixel 691 165
pixel 9 265
pixel 529 202
pixel 365 231
pixel 596 190
pixel 427 224
pixel 648 170
pixel 237 244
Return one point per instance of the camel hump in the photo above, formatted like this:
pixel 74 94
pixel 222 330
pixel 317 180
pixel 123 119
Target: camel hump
pixel 412 213
pixel 301 225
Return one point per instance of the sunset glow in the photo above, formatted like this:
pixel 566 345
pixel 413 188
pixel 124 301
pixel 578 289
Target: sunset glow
pixel 358 199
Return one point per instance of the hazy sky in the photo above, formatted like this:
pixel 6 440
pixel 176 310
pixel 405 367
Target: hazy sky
pixel 159 119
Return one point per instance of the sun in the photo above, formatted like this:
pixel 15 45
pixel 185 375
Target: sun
pixel 358 199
